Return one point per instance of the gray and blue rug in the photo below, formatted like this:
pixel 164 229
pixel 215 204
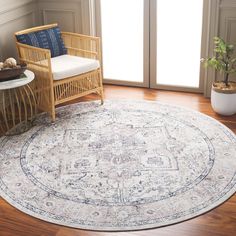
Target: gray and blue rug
pixel 127 165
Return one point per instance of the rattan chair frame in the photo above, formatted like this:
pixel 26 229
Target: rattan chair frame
pixel 49 92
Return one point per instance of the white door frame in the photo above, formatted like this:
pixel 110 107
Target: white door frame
pixel 153 45
pixel 146 58
pixel 209 30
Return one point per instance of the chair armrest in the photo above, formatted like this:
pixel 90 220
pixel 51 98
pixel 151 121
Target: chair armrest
pixel 34 56
pixel 82 45
pixel 38 60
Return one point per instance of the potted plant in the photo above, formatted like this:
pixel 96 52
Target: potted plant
pixel 223 94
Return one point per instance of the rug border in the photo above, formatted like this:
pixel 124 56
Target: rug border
pixel 204 211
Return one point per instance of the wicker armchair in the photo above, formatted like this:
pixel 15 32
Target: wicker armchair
pixel 51 92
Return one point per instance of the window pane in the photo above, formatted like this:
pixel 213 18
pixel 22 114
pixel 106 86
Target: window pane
pixel 122 37
pixel 179 30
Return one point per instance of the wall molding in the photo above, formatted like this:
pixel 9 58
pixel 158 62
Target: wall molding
pixel 228 27
pixel 213 8
pixel 19 17
pixel 13 5
pixel 76 8
pixel 73 13
pixel 228 4
pixel 14 16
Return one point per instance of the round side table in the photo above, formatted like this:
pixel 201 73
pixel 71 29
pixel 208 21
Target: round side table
pixel 17 104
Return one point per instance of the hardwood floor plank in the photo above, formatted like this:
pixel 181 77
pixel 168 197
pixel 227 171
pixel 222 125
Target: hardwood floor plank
pixel 218 222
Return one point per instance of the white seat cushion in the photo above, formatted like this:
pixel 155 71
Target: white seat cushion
pixel 67 66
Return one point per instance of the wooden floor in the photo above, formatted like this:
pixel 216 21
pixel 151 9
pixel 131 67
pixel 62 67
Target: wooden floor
pixel 220 221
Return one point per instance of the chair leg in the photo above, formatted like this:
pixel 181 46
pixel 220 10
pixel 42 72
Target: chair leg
pixel 53 109
pixel 53 114
pixel 102 96
pixel 101 87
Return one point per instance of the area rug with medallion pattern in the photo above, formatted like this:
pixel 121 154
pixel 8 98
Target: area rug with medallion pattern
pixel 126 165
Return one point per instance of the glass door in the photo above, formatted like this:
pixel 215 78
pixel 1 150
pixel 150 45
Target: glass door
pixel 176 44
pixel 124 28
pixel 152 43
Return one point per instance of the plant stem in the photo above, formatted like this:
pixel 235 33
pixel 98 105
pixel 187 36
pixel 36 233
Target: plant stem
pixel 226 81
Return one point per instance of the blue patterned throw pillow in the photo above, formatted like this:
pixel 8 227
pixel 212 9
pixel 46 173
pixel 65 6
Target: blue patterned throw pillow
pixel 48 39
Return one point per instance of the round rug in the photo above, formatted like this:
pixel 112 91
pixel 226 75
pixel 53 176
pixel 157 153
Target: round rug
pixel 126 165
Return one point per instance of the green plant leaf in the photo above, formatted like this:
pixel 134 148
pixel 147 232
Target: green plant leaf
pixel 222 61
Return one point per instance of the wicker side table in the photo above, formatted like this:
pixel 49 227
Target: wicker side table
pixel 17 105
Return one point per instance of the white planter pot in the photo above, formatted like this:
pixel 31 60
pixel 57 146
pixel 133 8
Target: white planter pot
pixel 222 103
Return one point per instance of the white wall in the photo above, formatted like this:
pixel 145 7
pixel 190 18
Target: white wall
pixel 227 23
pixel 222 22
pixel 14 16
pixel 71 15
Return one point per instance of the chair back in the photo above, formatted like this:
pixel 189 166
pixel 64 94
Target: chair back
pixel 35 29
pixel 45 37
